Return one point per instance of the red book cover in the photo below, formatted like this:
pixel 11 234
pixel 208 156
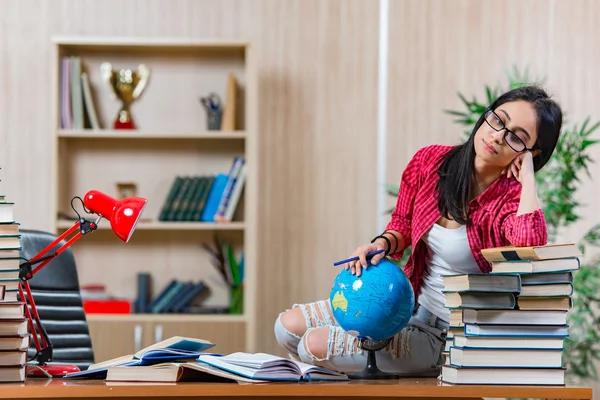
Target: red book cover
pixel 107 306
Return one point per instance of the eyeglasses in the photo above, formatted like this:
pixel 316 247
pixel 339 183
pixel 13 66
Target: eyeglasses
pixel 513 141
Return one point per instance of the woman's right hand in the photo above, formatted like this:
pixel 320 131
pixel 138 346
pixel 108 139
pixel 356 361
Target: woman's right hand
pixel 362 262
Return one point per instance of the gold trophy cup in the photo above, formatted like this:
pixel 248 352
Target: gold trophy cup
pixel 125 85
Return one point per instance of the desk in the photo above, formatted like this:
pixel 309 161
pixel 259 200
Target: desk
pixel 393 389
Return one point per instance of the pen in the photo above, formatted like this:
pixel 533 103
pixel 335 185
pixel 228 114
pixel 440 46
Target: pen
pixel 370 254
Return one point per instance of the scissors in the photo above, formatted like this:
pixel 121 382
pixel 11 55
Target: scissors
pixel 211 102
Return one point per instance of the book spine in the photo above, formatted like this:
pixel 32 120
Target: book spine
pixel 238 162
pixel 199 207
pixel 166 209
pixel 186 201
pixel 195 200
pixel 179 198
pixel 235 196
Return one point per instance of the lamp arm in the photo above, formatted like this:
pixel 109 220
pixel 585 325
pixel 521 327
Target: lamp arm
pixel 43 345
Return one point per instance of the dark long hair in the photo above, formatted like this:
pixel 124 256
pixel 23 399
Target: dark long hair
pixel 457 172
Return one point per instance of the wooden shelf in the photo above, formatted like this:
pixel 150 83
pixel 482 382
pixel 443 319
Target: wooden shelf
pixel 167 317
pixel 169 226
pixel 146 135
pixel 157 43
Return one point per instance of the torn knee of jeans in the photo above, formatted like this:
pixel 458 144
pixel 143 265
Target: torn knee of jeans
pixel 341 343
pixel 283 327
pixel 315 351
pixel 315 314
pixel 305 313
pixel 398 346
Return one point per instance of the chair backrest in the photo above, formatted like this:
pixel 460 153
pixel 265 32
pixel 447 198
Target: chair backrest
pixel 55 290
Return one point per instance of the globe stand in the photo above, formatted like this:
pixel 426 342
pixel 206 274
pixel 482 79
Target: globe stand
pixel 371 371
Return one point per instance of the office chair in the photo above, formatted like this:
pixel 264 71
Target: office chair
pixel 56 293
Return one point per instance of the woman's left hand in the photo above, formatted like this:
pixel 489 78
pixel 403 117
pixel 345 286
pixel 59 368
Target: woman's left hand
pixel 521 167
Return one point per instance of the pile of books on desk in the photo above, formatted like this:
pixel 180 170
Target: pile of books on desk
pixel 508 327
pixel 14 332
pixel 180 359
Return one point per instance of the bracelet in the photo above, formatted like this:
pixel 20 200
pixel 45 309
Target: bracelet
pixel 395 239
pixel 388 243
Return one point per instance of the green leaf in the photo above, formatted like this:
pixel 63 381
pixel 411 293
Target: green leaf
pixel 464 100
pixel 593 128
pixel 588 142
pixel 490 95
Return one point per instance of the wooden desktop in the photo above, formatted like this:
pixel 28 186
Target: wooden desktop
pixel 385 389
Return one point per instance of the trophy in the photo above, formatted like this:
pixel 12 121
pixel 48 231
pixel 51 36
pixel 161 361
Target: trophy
pixel 127 86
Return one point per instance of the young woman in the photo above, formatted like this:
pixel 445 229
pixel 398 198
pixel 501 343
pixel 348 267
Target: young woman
pixel 453 202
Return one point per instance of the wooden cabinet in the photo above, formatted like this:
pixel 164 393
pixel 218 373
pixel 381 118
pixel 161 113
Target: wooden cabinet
pixel 228 335
pixel 113 338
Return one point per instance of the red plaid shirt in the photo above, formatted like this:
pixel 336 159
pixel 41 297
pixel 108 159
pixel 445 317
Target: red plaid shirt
pixel 492 215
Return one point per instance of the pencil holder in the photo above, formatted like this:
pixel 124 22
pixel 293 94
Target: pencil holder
pixel 213 120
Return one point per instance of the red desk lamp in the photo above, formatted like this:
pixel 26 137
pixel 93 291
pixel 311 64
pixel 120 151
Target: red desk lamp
pixel 123 216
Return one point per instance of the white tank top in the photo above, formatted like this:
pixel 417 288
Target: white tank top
pixel 449 253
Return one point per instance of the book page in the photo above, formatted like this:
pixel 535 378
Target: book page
pixel 259 361
pixel 310 369
pixel 282 373
pixel 209 369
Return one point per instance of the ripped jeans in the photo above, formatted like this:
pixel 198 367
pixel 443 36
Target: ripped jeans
pixel 415 351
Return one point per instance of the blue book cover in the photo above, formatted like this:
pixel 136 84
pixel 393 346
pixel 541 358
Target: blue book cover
pixel 214 198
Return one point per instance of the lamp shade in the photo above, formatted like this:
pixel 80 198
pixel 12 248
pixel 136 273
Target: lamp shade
pixel 123 215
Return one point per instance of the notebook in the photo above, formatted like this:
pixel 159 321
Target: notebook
pixel 268 367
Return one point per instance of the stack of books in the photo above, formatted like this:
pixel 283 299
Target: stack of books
pixel 205 198
pixel 14 332
pixel 508 327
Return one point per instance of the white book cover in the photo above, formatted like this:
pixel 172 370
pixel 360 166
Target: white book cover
pixel 89 101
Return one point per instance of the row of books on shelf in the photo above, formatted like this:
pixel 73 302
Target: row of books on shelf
pixel 76 103
pixel 14 329
pixel 508 327
pixel 177 297
pixel 205 198
pixel 188 359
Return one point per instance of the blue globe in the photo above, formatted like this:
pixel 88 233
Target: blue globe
pixel 374 306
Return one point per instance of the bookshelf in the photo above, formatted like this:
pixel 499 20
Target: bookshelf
pixel 171 139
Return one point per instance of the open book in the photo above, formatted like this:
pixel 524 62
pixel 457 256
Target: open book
pixel 190 371
pixel 268 367
pixel 176 348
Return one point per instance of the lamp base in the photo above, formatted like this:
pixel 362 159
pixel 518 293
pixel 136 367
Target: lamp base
pixel 47 371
